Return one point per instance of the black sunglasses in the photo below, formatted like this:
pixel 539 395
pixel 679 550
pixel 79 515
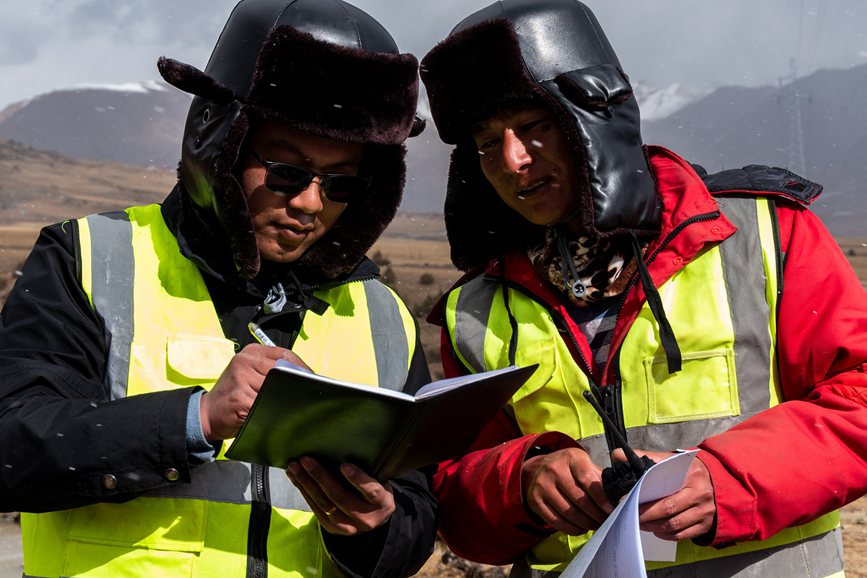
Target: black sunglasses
pixel 289 180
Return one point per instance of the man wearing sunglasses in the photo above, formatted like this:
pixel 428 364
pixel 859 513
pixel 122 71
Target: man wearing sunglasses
pixel 125 355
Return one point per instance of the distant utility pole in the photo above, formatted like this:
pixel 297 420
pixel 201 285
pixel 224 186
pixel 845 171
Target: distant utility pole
pixel 790 99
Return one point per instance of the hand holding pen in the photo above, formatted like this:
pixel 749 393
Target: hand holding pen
pixel 224 408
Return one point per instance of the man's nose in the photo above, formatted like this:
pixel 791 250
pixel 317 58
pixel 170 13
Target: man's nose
pixel 309 200
pixel 516 155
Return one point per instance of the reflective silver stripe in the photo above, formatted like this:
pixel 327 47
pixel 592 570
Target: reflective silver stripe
pixel 228 481
pixel 811 558
pixel 820 556
pixel 597 447
pixel 659 436
pixel 744 273
pixel 664 437
pixel 113 267
pixel 284 494
pixel 475 300
pixel 219 481
pixel 386 325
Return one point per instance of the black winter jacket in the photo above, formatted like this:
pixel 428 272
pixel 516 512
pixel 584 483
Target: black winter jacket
pixel 61 435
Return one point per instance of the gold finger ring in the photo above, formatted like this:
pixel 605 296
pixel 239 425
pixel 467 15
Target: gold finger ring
pixel 331 511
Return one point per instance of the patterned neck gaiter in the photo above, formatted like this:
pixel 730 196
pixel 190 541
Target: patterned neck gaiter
pixel 586 269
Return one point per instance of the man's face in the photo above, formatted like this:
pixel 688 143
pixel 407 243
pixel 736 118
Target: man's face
pixel 525 156
pixel 286 226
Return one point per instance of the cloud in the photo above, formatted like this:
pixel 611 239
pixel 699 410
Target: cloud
pixel 51 44
pixel 18 46
pixel 144 22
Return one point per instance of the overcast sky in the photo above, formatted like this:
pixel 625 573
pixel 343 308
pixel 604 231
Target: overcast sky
pixel 51 44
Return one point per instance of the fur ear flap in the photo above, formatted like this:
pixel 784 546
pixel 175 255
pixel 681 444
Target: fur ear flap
pixel 190 79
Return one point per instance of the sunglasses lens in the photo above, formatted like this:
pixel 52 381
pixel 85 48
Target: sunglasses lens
pixel 345 188
pixel 287 179
pixel 291 180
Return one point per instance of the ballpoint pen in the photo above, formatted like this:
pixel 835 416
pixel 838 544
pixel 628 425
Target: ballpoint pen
pixel 262 338
pixel 260 335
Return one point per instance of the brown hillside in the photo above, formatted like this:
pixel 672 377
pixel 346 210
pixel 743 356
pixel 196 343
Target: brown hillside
pixel 38 188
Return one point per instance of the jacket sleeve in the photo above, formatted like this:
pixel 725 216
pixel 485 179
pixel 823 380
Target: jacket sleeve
pixel 808 455
pixel 61 435
pixel 400 547
pixel 483 517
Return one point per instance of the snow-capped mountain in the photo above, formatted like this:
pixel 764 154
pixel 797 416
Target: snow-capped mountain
pixel 657 103
pixel 139 123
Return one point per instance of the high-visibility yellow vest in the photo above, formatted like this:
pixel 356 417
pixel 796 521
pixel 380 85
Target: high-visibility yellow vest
pixel 166 334
pixel 722 307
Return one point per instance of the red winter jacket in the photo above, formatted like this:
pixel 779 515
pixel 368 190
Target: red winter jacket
pixel 783 467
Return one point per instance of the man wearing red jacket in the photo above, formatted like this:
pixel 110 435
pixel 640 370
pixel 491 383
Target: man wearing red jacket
pixel 713 312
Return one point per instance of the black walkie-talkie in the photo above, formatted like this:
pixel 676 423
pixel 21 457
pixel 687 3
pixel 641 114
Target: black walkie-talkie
pixel 620 477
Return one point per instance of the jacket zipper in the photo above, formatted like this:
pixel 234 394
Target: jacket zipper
pixel 556 316
pixel 360 279
pixel 607 397
pixel 260 505
pixel 260 521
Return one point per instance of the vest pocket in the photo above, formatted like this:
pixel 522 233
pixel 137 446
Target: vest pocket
pixel 163 535
pixel 177 361
pixel 198 357
pixel 705 388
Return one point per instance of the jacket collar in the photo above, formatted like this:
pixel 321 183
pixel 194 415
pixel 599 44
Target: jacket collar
pixel 691 217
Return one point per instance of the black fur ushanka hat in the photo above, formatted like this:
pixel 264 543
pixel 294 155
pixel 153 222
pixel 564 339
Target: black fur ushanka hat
pixel 320 66
pixel 551 53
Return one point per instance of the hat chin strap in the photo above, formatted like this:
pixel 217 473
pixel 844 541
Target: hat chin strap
pixel 666 334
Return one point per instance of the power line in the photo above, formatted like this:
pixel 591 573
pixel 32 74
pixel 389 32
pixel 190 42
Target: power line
pixel 817 34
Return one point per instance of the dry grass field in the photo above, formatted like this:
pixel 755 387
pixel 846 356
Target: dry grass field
pixel 38 188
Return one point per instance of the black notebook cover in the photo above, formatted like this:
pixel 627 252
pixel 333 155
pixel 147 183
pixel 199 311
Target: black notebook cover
pixel 385 432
